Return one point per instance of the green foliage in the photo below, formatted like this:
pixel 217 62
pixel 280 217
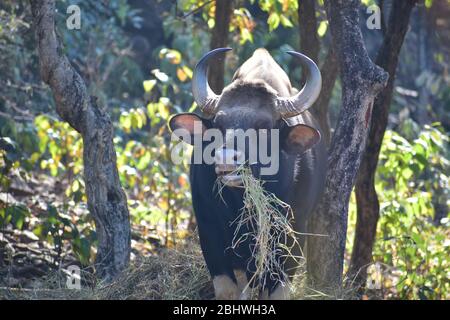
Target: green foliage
pixel 15 215
pixel 103 54
pixel 243 22
pixel 164 201
pixel 411 177
pixel 60 147
pixel 280 12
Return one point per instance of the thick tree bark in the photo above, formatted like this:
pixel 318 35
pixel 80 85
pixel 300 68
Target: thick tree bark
pixel 219 39
pixel 368 206
pixel 106 200
pixel 361 81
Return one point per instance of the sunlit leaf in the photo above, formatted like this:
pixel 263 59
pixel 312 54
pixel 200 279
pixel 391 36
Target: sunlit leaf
pixel 148 85
pixel 161 76
pixel 211 23
pixel 173 56
pixel 273 21
pixel 183 73
pixel 322 29
pixel 285 22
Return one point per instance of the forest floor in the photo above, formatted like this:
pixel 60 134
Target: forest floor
pixel 37 267
pixel 170 274
pixel 33 267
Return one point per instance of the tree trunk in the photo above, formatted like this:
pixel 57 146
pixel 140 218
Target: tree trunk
pixel 368 206
pixel 310 45
pixel 106 200
pixel 329 71
pixel 421 113
pixel 219 39
pixel 307 22
pixel 361 81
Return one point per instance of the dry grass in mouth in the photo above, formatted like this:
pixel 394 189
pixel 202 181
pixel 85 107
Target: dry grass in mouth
pixel 268 220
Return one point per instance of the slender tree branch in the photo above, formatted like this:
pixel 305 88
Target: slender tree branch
pixel 200 7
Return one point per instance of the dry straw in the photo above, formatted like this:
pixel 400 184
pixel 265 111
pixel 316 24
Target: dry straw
pixel 265 220
pixel 172 274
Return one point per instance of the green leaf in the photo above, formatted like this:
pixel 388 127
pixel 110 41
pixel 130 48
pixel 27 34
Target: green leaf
pixel 18 215
pixel 273 21
pixel 322 29
pixel 173 56
pixel 246 35
pixel 211 23
pixel 285 22
pixel 148 85
pixel 161 76
pixel 75 186
pixel 193 107
pixel 163 108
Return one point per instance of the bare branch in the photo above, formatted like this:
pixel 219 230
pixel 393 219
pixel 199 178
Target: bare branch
pixel 200 7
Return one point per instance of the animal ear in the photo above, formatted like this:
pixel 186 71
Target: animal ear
pixel 301 138
pixel 186 126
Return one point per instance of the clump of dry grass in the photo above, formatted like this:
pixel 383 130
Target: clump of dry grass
pixel 268 220
pixel 172 274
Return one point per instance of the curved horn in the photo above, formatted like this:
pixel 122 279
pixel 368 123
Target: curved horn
pixel 203 95
pixel 292 106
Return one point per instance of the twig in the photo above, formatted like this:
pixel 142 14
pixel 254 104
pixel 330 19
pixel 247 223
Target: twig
pixel 196 9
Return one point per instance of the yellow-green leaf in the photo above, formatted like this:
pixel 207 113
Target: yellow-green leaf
pixel 323 26
pixel 273 21
pixel 148 85
pixel 285 22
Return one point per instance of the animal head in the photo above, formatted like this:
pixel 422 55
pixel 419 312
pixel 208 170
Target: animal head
pixel 260 99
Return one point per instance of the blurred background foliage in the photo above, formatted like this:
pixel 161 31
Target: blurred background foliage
pixel 137 58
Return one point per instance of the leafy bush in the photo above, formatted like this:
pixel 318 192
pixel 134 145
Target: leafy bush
pixel 412 249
